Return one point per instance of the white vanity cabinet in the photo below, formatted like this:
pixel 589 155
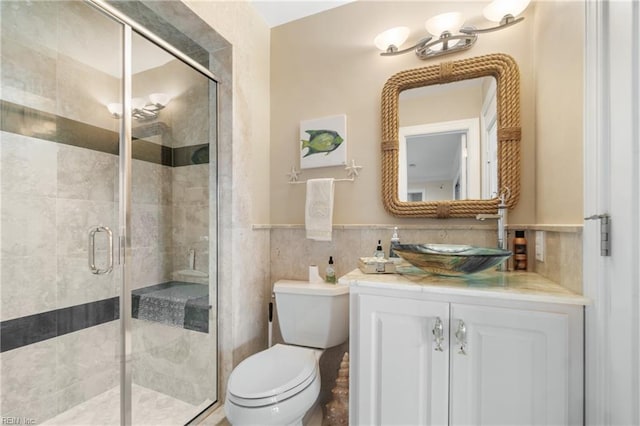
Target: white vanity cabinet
pixel 425 357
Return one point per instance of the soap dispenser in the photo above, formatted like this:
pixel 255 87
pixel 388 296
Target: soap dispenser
pixel 379 253
pixel 395 240
pixel 330 273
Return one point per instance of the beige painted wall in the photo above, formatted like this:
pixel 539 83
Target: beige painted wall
pixel 326 64
pixel 559 53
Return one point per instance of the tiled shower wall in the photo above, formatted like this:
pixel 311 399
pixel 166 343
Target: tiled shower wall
pixel 46 212
pixel 51 194
pixel 174 361
pixel 53 188
pixel 49 201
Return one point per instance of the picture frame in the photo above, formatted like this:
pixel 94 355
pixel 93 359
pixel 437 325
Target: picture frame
pixel 323 142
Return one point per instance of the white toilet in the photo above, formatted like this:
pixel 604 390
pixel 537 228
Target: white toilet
pixel 279 385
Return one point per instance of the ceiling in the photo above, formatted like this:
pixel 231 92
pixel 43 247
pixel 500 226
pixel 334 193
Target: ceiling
pixel 282 11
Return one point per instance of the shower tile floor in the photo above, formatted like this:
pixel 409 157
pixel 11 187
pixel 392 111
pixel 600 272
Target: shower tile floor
pixel 149 408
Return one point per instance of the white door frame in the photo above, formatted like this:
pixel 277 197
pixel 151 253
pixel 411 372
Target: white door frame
pixel 612 186
pixel 489 144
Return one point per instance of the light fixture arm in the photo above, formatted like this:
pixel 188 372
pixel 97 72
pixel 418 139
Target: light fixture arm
pixel 507 21
pixel 145 111
pixel 393 51
pixel 426 51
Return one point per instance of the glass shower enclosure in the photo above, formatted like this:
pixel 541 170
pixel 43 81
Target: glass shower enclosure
pixel 108 229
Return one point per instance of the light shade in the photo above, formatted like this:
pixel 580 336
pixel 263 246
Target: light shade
pixel 450 22
pixel 138 103
pixel 159 99
pixel 391 37
pixel 115 109
pixel 498 9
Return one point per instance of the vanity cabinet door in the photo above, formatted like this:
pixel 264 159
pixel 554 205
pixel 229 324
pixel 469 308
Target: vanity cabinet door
pixel 399 369
pixel 515 367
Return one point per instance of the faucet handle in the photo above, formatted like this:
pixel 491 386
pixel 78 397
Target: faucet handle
pixel 503 195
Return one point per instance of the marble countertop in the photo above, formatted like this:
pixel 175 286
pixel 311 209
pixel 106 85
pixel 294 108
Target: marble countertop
pixel 525 286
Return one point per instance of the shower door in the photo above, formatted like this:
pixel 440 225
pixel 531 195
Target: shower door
pixel 173 333
pixel 61 62
pixel 107 229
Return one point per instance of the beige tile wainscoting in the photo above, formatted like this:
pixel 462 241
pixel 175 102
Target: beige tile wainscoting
pixel 291 252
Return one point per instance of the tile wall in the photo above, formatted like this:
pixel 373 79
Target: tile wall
pixel 49 202
pixel 59 177
pixel 291 252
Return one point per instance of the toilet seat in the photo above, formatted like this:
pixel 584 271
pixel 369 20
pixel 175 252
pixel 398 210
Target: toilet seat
pixel 272 376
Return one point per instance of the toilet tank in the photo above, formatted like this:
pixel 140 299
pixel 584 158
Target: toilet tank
pixel 314 315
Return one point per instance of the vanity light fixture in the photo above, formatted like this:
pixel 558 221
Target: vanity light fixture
pixel 141 109
pixel 443 39
pixel 448 35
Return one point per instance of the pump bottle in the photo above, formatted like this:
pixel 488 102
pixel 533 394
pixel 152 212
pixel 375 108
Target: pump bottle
pixel 395 240
pixel 330 273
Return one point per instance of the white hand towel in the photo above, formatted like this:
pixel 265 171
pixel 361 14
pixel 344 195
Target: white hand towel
pixel 319 209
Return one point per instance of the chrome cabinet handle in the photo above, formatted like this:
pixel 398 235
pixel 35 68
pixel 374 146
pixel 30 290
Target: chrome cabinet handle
pixel 438 335
pixel 461 337
pixel 92 250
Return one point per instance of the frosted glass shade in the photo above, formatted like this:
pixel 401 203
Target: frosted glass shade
pixel 497 9
pixel 115 109
pixel 451 22
pixel 159 99
pixel 393 36
pixel 138 103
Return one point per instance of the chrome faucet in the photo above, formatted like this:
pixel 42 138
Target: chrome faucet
pixel 502 223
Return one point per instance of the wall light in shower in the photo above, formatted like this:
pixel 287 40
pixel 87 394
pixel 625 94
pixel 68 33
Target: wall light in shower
pixel 141 109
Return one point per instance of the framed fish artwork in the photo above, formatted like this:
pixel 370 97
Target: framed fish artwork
pixel 323 142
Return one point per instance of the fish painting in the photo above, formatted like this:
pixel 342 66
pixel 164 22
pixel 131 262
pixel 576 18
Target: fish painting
pixel 321 141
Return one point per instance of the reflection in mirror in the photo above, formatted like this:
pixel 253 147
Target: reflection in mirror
pixel 448 141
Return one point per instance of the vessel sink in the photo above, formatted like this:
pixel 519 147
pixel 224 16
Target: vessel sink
pixel 451 259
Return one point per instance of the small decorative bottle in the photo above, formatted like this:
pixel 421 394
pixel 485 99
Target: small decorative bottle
pixel 330 276
pixel 520 250
pixel 379 253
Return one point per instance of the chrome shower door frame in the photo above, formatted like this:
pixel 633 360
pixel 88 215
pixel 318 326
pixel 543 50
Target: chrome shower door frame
pixel 124 257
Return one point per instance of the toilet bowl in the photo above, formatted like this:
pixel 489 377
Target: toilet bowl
pixel 274 387
pixel 279 385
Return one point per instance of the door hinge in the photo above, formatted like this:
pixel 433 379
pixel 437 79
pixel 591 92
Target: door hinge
pixel 605 232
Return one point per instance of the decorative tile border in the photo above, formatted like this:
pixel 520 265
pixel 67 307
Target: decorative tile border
pixel 35 328
pixel 19 332
pixel 190 155
pixel 33 123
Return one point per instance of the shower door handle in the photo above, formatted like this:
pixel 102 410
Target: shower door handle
pixel 92 250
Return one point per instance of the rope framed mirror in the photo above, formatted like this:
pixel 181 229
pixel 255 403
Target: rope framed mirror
pixel 505 71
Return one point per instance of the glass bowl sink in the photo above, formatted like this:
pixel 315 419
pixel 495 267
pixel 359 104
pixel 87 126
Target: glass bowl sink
pixel 451 259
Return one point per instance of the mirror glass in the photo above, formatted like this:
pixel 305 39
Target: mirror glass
pixel 467 175
pixel 448 141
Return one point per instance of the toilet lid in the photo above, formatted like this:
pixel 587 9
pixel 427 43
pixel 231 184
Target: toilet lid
pixel 272 372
